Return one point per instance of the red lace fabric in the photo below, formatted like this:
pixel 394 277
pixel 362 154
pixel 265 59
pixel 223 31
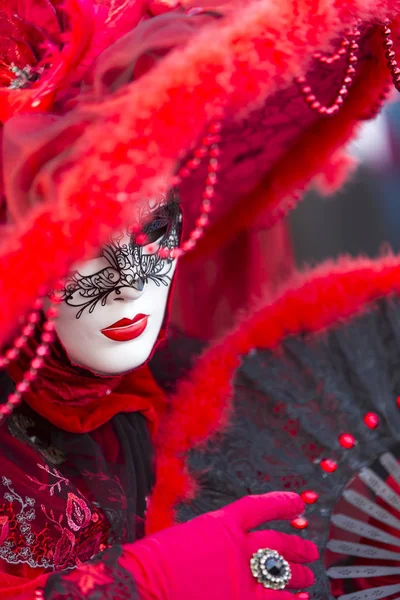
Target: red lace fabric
pixel 76 464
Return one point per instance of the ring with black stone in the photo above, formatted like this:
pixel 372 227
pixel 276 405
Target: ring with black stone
pixel 270 569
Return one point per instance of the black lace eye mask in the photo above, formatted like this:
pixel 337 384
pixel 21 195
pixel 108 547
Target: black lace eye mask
pixel 131 264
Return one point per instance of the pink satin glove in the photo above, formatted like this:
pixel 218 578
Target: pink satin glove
pixel 209 557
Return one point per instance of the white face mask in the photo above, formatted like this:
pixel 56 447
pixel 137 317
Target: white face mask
pixel 114 305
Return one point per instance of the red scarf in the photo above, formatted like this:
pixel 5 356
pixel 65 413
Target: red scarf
pixel 77 400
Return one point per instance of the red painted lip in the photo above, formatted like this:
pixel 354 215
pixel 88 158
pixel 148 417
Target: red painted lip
pixel 126 329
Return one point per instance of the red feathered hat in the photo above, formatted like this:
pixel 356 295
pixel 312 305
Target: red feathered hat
pixel 106 102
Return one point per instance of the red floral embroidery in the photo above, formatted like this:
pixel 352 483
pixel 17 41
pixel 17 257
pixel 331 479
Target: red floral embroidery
pixel 64 549
pixel 5 528
pixel 78 513
pixel 65 539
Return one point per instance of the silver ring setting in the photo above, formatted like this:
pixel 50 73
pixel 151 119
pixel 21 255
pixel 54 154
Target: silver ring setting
pixel 270 569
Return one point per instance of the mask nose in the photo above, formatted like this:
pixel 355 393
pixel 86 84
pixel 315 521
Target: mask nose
pixel 132 291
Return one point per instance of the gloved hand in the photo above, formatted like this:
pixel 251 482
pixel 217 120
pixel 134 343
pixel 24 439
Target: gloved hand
pixel 209 557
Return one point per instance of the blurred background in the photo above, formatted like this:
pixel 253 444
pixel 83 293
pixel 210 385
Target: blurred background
pixel 365 214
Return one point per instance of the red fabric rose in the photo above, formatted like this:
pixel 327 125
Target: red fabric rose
pixel 40 46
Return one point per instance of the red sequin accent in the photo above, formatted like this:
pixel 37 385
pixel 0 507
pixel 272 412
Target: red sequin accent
pixel 303 595
pixel 309 496
pixel 347 440
pixel 299 523
pixel 371 420
pixel 329 465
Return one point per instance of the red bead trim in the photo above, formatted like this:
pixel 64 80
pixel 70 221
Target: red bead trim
pixel 346 440
pixel 391 55
pixel 371 420
pixel 30 375
pixel 309 496
pixel 348 48
pixel 328 465
pixel 209 146
pixel 299 523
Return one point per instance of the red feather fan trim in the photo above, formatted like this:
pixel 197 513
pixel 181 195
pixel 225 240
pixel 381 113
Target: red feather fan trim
pixel 201 407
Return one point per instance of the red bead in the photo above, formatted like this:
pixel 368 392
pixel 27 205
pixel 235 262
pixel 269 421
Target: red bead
pixel 164 253
pixel 52 312
pixel 20 342
pixel 49 326
pixel 332 110
pixel 213 165
pixel 348 80
pixel 200 152
pixel 196 234
pixel 42 350
pixel 303 595
pixel 5 410
pixel 398 401
pixel 176 252
pixel 14 399
pixel 371 420
pixel 34 318
pixel 208 193
pixel 3 362
pixel 329 465
pixel 188 245
pixel 215 152
pixel 141 239
pixel 202 221
pixel 347 440
pixel 211 179
pixel 299 523
pixel 48 337
pixel 28 331
pixel 37 363
pixel 22 386
pixel 12 354
pixel 31 375
pixel 215 127
pixel 309 496
pixel 38 304
pixel 184 172
pixel 193 163
pixel 209 140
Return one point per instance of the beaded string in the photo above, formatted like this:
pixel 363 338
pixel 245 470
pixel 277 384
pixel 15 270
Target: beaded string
pixel 348 48
pixel 391 55
pixel 209 146
pixel 46 338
